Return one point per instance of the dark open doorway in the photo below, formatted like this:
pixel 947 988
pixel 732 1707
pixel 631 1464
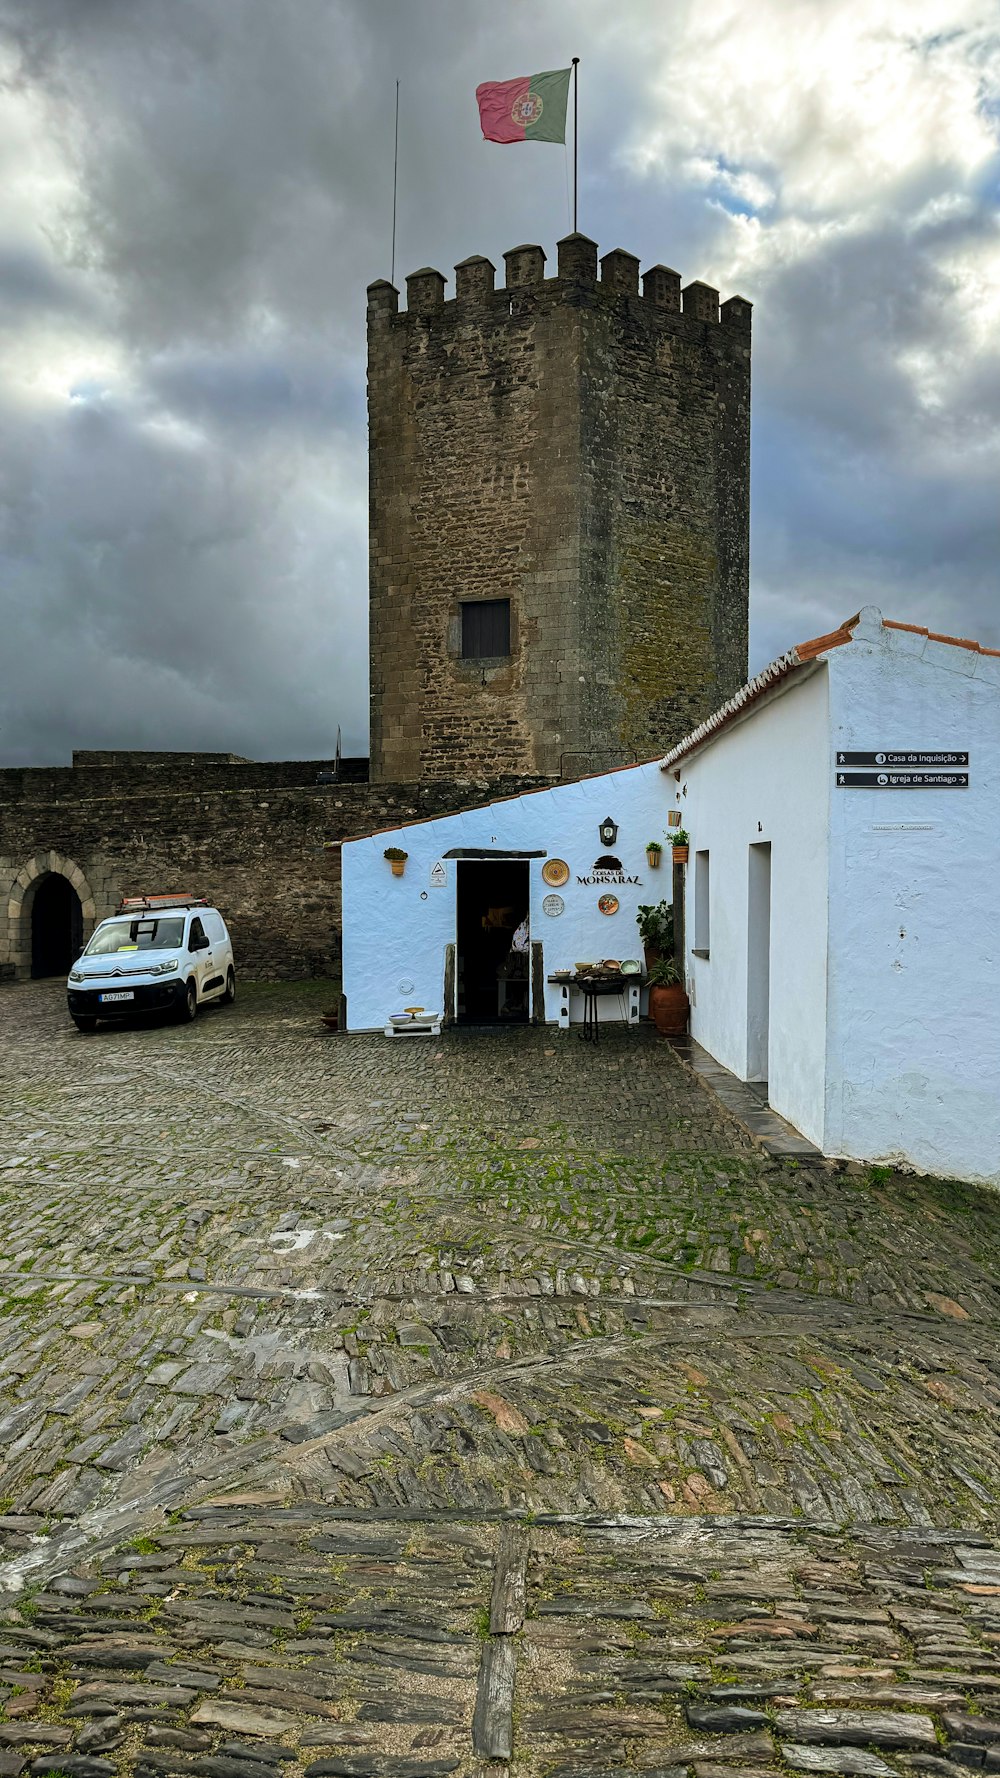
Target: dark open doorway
pixel 493 987
pixel 56 926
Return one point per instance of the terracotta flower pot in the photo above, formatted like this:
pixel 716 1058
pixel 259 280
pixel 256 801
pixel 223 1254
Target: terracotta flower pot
pixel 653 860
pixel 680 854
pixel 397 866
pixel 652 956
pixel 668 1009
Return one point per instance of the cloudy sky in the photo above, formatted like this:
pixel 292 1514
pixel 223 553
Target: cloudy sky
pixel 196 193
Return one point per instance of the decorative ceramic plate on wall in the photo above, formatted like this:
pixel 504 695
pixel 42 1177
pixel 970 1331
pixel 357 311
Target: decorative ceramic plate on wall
pixel 608 904
pixel 555 872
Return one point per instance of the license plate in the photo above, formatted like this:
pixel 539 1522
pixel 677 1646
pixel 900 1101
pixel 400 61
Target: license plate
pixel 127 995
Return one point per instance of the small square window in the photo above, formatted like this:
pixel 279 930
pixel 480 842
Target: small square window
pixel 485 629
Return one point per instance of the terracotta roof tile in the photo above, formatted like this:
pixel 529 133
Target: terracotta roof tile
pixel 797 657
pixel 808 651
pixel 935 636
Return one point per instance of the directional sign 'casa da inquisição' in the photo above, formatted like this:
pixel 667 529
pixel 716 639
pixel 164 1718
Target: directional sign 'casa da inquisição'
pixel 902 769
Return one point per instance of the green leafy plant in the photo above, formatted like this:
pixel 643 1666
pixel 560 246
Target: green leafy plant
pixel 395 853
pixel 653 846
pixel 680 837
pixel 665 974
pixel 656 925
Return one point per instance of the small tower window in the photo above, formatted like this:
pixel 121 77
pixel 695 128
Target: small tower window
pixel 485 629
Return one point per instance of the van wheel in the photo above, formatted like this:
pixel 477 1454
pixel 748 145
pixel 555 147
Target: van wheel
pixel 230 994
pixel 188 1009
pixel 84 1024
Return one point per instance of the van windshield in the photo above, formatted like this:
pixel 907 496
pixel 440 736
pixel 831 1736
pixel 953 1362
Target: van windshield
pixel 147 934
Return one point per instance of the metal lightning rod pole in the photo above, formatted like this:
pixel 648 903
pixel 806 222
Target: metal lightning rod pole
pixel 395 179
pixel 576 134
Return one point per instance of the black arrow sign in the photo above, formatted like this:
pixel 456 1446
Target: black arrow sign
pixel 903 760
pixel 902 780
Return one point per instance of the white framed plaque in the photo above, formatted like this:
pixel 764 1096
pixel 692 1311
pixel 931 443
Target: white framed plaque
pixel 553 905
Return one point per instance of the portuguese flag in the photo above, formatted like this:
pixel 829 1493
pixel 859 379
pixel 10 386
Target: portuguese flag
pixel 532 109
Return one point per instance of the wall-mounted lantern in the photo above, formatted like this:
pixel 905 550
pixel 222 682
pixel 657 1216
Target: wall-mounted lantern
pixel 608 831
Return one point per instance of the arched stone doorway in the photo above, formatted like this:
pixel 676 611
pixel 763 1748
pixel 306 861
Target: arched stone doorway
pixel 50 910
pixel 56 926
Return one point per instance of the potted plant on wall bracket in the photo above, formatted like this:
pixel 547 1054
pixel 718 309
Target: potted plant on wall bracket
pixel 397 859
pixel 668 1001
pixel 656 931
pixel 653 852
pixel 679 842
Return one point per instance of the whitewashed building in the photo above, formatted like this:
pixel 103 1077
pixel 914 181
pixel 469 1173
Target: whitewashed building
pixel 841 909
pixel 419 939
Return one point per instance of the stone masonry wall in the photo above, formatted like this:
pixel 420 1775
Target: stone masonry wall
pixel 256 839
pixel 584 452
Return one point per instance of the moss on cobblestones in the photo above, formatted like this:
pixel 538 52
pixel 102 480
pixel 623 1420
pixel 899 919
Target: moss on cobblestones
pixel 574 1246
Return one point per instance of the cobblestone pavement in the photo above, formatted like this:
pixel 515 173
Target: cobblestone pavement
pixel 373 1408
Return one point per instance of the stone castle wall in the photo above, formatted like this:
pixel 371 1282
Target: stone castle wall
pixel 583 451
pixel 258 839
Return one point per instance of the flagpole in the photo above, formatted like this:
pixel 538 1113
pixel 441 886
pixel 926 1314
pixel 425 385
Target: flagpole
pixel 395 177
pixel 576 134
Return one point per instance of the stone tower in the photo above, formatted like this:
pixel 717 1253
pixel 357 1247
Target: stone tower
pixel 559 514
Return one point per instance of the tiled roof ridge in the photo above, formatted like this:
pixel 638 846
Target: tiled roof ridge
pixel 801 656
pixel 748 694
pixel 514 796
pixel 810 651
pixel 889 623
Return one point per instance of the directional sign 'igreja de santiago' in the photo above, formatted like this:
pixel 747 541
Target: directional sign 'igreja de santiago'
pixel 902 780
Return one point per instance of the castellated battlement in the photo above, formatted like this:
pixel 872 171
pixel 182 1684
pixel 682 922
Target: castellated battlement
pixel 658 292
pixel 559 504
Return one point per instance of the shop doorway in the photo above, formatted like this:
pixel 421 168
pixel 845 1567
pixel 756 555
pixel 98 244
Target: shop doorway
pixel 758 961
pixel 56 926
pixel 494 985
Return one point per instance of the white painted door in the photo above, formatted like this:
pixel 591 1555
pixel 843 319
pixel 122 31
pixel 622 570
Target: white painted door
pixel 758 960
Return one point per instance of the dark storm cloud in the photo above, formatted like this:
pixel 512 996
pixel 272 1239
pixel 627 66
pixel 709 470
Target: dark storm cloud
pixel 30 283
pixel 198 192
pixel 246 389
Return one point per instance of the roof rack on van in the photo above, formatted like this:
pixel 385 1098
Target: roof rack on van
pixel 139 904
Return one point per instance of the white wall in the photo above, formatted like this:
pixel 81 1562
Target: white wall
pixel 396 929
pixel 914 1044
pixel 765 778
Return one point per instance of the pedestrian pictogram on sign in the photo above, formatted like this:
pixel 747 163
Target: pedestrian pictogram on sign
pixel 906 760
pixel 902 780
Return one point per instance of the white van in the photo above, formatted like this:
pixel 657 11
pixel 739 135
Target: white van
pixel 157 953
